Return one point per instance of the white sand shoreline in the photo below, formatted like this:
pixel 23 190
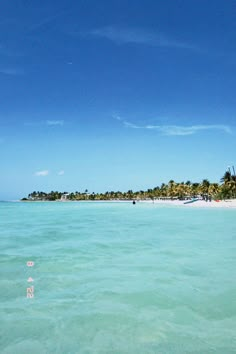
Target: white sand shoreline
pixel 229 203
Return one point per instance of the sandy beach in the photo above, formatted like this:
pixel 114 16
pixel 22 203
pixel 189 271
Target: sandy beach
pixel 229 203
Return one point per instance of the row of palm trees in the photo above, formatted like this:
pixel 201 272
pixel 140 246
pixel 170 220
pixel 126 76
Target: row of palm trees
pixel 172 190
pixel 228 187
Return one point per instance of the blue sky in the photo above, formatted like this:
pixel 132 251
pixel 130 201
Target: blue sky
pixel 115 95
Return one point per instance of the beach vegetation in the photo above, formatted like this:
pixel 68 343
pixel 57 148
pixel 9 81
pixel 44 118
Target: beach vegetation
pixel 226 189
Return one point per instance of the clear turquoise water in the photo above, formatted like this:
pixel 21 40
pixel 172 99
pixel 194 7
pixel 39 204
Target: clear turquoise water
pixel 117 278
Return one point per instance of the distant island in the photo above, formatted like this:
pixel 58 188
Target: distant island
pixel 226 189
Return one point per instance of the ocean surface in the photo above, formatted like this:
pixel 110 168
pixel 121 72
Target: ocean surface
pixel 117 278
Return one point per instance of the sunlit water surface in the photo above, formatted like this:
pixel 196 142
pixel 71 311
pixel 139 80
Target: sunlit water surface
pixel 117 278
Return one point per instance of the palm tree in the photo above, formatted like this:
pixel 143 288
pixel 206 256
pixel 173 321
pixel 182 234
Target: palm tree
pixel 171 188
pixel 181 190
pixel 164 190
pixel 205 186
pixel 195 189
pixel 130 194
pixel 213 189
pixel 156 192
pixel 188 186
pixel 227 177
pixel 226 190
pixel 229 185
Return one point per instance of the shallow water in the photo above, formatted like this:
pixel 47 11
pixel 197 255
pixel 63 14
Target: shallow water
pixel 117 278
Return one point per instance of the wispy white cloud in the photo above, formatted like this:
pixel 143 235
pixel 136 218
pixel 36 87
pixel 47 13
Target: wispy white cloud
pixel 187 130
pixel 178 129
pixel 131 125
pixel 117 117
pixel 127 124
pixel 11 71
pixel 61 173
pixel 38 123
pixel 42 173
pixel 55 122
pixel 135 35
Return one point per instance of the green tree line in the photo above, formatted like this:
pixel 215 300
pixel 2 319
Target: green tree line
pixel 172 190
